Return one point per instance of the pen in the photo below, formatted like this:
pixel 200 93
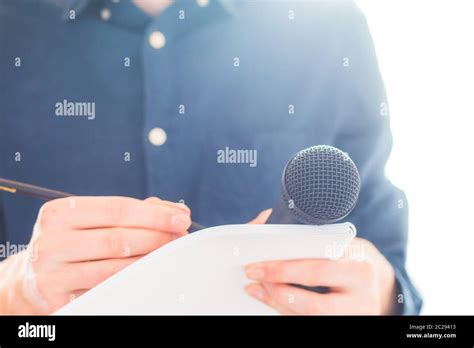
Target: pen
pixel 16 187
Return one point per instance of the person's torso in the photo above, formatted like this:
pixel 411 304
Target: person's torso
pixel 236 97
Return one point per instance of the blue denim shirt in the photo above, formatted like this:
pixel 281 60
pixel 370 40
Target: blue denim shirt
pixel 170 93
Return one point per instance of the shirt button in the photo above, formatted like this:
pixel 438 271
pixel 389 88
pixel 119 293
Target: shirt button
pixel 157 40
pixel 157 136
pixel 105 14
pixel 202 3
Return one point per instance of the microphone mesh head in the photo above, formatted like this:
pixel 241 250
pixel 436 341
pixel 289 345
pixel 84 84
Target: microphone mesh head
pixel 323 183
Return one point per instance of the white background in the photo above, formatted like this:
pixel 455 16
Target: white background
pixel 426 55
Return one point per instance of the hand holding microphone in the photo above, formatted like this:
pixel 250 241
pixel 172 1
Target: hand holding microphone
pixel 320 185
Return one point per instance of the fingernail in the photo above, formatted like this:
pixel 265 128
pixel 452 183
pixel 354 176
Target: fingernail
pixel 255 272
pixel 180 219
pixel 256 291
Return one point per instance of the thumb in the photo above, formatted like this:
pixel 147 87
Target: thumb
pixel 262 217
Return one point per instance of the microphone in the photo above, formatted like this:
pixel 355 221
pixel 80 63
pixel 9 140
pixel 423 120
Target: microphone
pixel 320 185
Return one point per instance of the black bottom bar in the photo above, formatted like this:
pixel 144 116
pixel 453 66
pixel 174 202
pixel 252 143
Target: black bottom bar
pixel 328 330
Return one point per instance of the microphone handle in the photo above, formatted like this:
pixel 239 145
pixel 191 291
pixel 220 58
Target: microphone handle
pixel 318 289
pixel 281 214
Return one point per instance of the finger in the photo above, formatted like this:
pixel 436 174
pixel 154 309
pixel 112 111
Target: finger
pixel 304 302
pixel 158 201
pixel 59 287
pixel 96 212
pixel 309 272
pixel 262 217
pixel 111 243
pixel 257 291
pixel 86 275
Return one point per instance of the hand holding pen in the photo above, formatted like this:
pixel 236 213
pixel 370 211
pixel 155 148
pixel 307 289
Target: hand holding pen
pixel 79 241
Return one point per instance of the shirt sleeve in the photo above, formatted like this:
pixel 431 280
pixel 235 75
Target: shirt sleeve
pixel 362 124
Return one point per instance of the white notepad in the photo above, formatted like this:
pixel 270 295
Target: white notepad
pixel 203 273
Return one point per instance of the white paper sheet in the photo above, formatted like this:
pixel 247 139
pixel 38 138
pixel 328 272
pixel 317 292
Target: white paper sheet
pixel 203 273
